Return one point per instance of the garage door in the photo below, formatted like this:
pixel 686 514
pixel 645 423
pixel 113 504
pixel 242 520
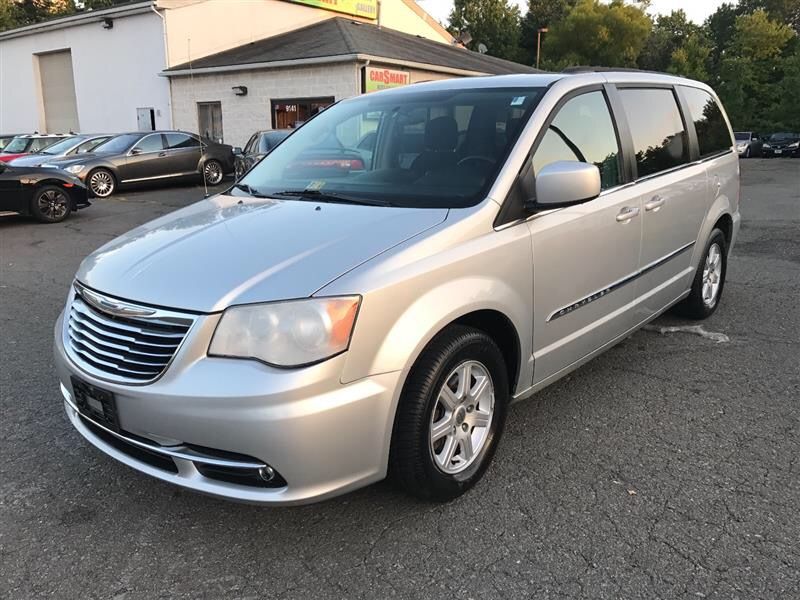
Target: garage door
pixel 58 92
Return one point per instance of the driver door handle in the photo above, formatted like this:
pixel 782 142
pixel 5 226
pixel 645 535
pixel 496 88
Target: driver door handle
pixel 162 153
pixel 654 204
pixel 627 213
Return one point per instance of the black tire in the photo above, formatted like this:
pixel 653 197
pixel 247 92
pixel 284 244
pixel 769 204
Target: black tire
pixel 213 173
pixel 694 306
pixel 411 458
pixel 51 204
pixel 747 152
pixel 101 183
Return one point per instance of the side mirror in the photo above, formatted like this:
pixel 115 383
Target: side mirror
pixel 237 151
pixel 564 183
pixel 136 151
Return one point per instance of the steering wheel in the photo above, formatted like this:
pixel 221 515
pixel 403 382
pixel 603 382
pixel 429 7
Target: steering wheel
pixel 477 157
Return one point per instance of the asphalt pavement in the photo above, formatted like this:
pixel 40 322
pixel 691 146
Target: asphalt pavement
pixel 667 468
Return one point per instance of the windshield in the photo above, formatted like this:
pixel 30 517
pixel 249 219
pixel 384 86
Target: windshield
pixel 18 144
pixel 742 137
pixel 417 148
pixel 118 144
pixel 60 147
pixel 779 137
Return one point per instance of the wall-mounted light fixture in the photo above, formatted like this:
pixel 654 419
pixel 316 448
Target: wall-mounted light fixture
pixel 240 90
pixel 108 23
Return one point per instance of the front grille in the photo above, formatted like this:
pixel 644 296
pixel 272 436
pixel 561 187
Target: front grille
pixel 120 347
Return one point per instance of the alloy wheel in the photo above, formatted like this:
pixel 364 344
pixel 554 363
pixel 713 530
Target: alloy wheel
pixel 213 172
pixel 712 274
pixel 462 417
pixel 53 204
pixel 101 183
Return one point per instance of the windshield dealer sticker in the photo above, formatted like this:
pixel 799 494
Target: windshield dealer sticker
pixel 518 101
pixel 316 185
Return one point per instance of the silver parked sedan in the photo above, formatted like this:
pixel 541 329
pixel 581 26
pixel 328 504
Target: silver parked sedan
pixel 336 316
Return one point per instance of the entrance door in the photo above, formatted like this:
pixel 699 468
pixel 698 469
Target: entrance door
pixel 583 255
pixel 146 119
pixel 209 119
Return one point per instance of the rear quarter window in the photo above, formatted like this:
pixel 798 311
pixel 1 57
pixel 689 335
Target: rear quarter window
pixel 713 135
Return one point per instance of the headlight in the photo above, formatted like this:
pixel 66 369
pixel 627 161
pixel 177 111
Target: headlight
pixel 75 168
pixel 766 146
pixel 286 334
pixel 795 145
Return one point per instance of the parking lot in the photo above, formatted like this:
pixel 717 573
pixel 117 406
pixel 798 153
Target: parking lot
pixel 669 467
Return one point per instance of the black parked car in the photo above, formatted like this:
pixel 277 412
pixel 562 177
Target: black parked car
pixel 45 194
pixel 148 156
pixel 258 146
pixel 782 144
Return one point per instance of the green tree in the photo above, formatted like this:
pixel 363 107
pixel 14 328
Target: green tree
pixel 690 59
pixel 600 34
pixel 493 23
pixel 9 15
pixel 753 74
pixel 669 33
pixel 783 11
pixel 541 13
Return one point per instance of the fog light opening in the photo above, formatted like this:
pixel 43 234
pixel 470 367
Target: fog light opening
pixel 266 473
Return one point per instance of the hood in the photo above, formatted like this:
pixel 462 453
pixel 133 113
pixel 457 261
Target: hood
pixel 229 250
pixel 65 161
pixel 9 157
pixel 32 160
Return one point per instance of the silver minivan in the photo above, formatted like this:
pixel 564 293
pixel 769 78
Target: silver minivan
pixel 341 315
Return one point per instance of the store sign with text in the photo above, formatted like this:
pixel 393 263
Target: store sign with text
pixel 357 8
pixel 378 78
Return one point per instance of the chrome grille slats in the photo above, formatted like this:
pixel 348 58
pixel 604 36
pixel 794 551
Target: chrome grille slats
pixel 123 348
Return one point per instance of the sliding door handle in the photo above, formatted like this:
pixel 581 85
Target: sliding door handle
pixel 654 204
pixel 627 213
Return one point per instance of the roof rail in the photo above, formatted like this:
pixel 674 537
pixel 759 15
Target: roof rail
pixel 587 69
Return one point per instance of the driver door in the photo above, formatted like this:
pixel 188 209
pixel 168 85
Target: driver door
pixel 146 159
pixel 585 256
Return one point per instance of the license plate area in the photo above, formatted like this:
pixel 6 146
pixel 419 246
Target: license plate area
pixel 96 404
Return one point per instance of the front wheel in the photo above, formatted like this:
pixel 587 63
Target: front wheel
pixel 101 183
pixel 213 173
pixel 709 280
pixel 51 204
pixel 451 415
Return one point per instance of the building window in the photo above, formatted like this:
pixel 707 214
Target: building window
pixel 209 119
pixel 288 114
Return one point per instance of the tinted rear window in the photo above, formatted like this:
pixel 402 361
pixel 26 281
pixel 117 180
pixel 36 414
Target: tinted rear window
pixel 713 135
pixel 659 138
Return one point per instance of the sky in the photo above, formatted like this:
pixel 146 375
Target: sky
pixel 696 10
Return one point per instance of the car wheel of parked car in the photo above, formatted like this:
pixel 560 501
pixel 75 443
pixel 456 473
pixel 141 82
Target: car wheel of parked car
pixel 451 415
pixel 51 204
pixel 102 183
pixel 708 281
pixel 213 172
pixel 747 152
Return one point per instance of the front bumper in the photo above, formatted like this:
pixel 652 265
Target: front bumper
pixel 323 438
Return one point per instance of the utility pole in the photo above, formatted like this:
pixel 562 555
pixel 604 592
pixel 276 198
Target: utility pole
pixel 539 33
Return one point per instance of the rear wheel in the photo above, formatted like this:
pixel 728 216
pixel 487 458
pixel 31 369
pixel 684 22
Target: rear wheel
pixel 709 280
pixel 51 204
pixel 101 183
pixel 451 415
pixel 213 173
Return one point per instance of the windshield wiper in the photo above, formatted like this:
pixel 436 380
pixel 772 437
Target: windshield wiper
pixel 319 196
pixel 250 191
